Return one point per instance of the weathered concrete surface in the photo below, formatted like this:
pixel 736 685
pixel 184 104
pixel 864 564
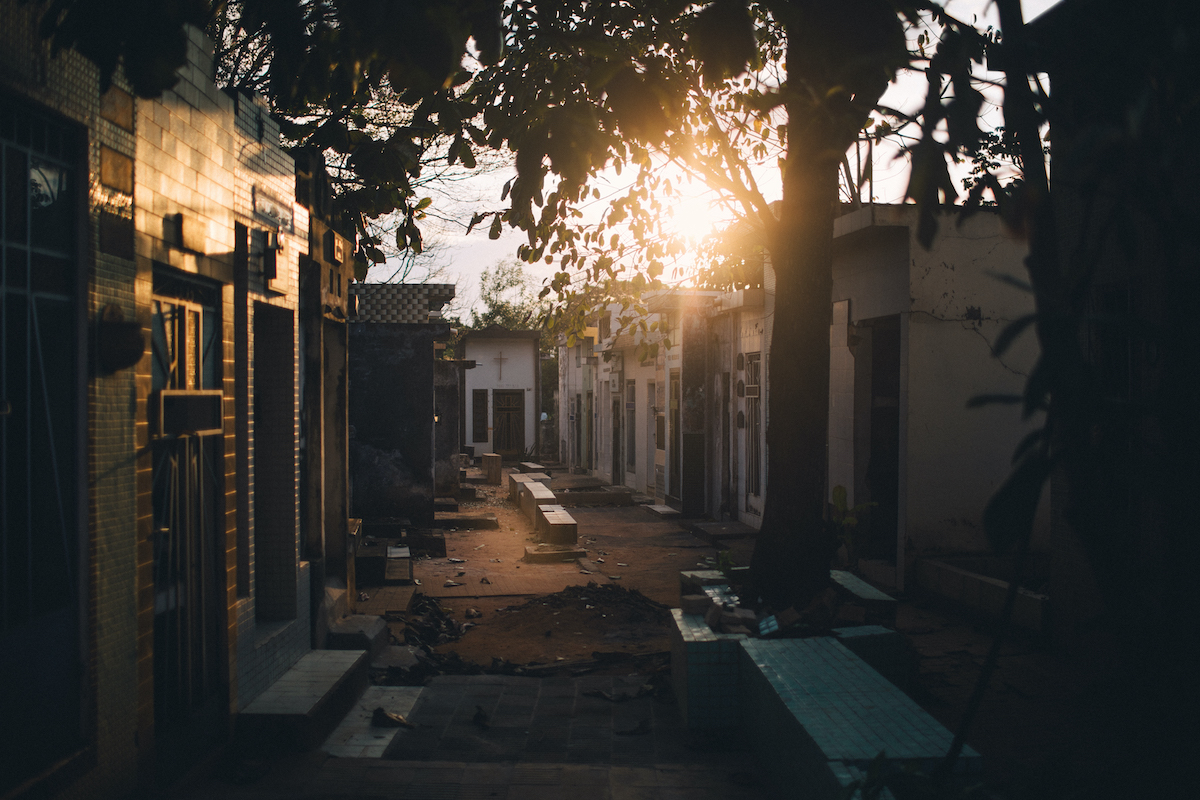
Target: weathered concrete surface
pixel 391 420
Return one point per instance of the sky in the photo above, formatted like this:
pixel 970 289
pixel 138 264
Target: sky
pixel 460 259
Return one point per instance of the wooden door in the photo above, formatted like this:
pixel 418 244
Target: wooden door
pixel 508 422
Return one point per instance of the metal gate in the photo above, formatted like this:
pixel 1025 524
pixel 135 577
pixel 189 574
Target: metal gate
pixel 189 575
pixel 41 653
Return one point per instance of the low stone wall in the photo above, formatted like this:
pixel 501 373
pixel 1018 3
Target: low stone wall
pixel 704 673
pixel 815 713
pixel 981 594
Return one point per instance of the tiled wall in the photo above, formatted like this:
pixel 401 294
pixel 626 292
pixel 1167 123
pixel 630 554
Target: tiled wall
pixel 704 671
pixel 214 158
pixel 68 84
pixel 811 704
pixel 267 650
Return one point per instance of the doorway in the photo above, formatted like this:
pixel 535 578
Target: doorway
pixel 674 479
pixel 188 528
pixel 43 571
pixel 508 422
pixel 652 442
pixel 618 465
pixel 883 465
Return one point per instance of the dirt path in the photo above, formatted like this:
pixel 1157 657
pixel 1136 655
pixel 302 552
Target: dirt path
pixel 630 548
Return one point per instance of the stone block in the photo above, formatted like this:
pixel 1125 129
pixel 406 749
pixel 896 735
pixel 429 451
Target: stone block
pixel 553 524
pixel 695 603
pixel 492 468
pixel 693 581
pixel 359 632
pixel 738 616
pixel 515 479
pixel 532 495
pixel 880 607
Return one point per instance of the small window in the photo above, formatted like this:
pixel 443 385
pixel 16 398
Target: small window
pixel 479 415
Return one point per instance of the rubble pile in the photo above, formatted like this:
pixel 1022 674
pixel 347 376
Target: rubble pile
pixel 427 625
pixel 608 598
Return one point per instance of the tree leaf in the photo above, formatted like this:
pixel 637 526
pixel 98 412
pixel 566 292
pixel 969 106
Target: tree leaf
pixel 722 39
pixel 1010 334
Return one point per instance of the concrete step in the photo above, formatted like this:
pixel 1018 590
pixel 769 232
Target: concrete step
pixel 299 710
pixel 359 632
pixel 619 496
pixel 715 532
pixel 661 510
pixel 356 737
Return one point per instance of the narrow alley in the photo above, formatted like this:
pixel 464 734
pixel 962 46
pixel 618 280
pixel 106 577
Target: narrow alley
pixel 522 679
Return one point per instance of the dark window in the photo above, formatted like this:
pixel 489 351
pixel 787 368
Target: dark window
pixel 753 424
pixel 631 425
pixel 479 415
pixel 41 690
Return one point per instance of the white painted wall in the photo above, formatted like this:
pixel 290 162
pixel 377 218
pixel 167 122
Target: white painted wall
pixel 958 457
pixel 517 371
pixel 951 309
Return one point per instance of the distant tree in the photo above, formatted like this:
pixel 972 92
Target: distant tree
pixel 509 298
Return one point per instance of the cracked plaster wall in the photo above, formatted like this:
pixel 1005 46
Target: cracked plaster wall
pixel 951 310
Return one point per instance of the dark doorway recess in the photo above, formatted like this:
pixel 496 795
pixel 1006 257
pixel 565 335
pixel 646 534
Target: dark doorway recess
pixel 508 422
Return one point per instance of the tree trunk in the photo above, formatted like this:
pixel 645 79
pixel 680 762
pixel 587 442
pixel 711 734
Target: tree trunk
pixel 796 544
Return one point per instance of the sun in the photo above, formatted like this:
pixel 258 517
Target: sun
pixel 697 216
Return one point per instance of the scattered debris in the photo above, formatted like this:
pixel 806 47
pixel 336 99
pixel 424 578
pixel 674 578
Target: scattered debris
pixel 449 584
pixel 619 564
pixel 457 560
pixel 382 718
pixel 460 573
pixel 484 579
pixel 428 624
pixel 614 577
pixel 480 718
pixel 480 547
pixel 363 597
pixel 473 613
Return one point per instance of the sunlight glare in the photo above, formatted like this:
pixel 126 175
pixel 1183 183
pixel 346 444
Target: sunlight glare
pixel 698 216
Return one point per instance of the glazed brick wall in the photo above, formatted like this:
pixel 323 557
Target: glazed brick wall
pixel 199 153
pixel 69 86
pixel 196 150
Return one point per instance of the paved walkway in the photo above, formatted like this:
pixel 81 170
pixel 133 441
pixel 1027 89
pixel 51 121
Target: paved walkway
pixel 544 738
